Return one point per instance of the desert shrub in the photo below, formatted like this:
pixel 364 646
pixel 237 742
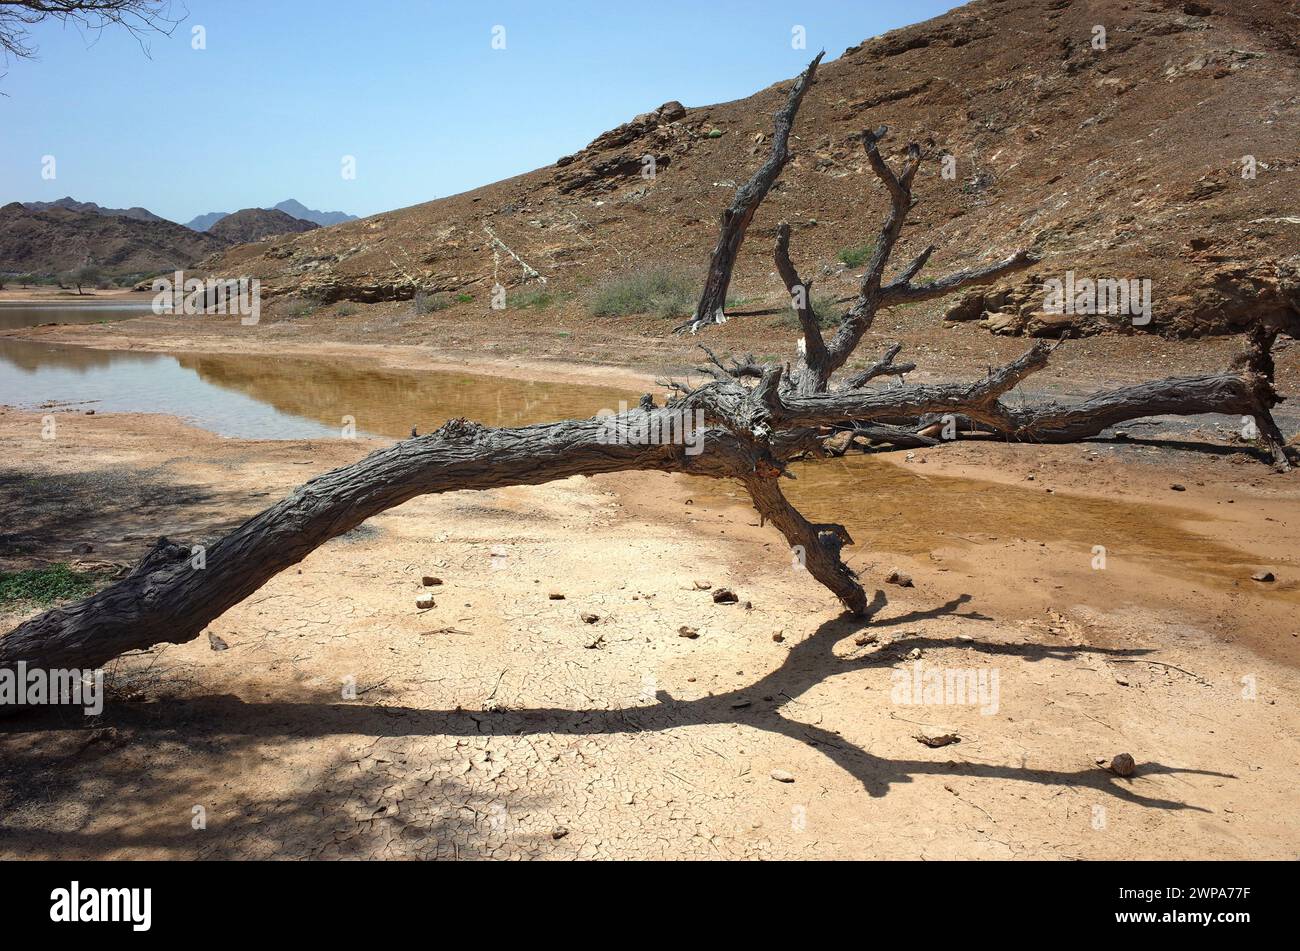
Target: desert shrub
pixel 661 291
pixel 539 298
pixel 857 255
pixel 428 303
pixel 825 306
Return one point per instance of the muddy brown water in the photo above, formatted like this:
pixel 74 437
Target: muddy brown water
pixel 886 507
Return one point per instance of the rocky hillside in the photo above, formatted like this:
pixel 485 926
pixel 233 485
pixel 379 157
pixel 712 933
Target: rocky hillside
pixel 1124 162
pixel 59 239
pixel 253 224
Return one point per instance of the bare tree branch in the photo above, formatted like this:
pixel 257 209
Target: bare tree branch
pixel 138 17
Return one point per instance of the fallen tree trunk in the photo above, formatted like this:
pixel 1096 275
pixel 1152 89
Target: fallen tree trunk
pixel 742 432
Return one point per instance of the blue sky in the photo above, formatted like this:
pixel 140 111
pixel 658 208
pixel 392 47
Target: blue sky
pixel 411 88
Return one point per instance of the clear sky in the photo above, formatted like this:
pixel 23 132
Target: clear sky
pixel 413 89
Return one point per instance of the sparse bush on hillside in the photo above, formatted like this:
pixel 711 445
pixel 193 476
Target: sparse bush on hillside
pixel 539 298
pixel 661 291
pixel 857 255
pixel 428 303
pixel 297 307
pixel 825 306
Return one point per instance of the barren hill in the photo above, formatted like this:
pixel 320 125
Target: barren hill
pixel 1100 159
pixel 58 239
pixel 253 224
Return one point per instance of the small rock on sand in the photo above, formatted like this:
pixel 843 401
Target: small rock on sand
pixel 899 578
pixel 1264 576
pixel 687 631
pixel 424 602
pixel 725 596
pixel 782 776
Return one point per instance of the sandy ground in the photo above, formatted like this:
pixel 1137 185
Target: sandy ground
pixel 501 724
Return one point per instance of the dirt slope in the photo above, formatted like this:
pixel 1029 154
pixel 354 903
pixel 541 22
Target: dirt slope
pixel 1102 159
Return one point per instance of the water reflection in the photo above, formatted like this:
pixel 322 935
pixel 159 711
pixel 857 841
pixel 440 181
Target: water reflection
pixel 15 314
pixel 259 397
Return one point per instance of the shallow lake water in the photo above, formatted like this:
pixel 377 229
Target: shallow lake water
pixel 896 509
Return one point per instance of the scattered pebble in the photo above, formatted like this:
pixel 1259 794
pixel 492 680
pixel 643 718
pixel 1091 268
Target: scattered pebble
pixel 1123 765
pixel 429 581
pixel 1264 576
pixel 1178 487
pixel 782 776
pixel 589 618
pixel 555 596
pixel 559 832
pixel 702 586
pixel 424 602
pixel 725 596
pixel 216 643
pixel 687 631
pixel 779 636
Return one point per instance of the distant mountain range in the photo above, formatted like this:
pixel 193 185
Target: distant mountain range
pixel 51 237
pixel 291 207
pixel 71 204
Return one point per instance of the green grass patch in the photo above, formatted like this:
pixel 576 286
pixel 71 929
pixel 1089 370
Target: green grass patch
pixel 664 292
pixel 538 298
pixel 858 254
pixel 43 585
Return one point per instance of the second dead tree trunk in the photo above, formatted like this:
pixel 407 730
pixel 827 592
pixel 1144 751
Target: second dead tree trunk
pixel 711 308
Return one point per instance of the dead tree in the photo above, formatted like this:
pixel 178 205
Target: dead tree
pixel 820 358
pixel 755 419
pixel 736 219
